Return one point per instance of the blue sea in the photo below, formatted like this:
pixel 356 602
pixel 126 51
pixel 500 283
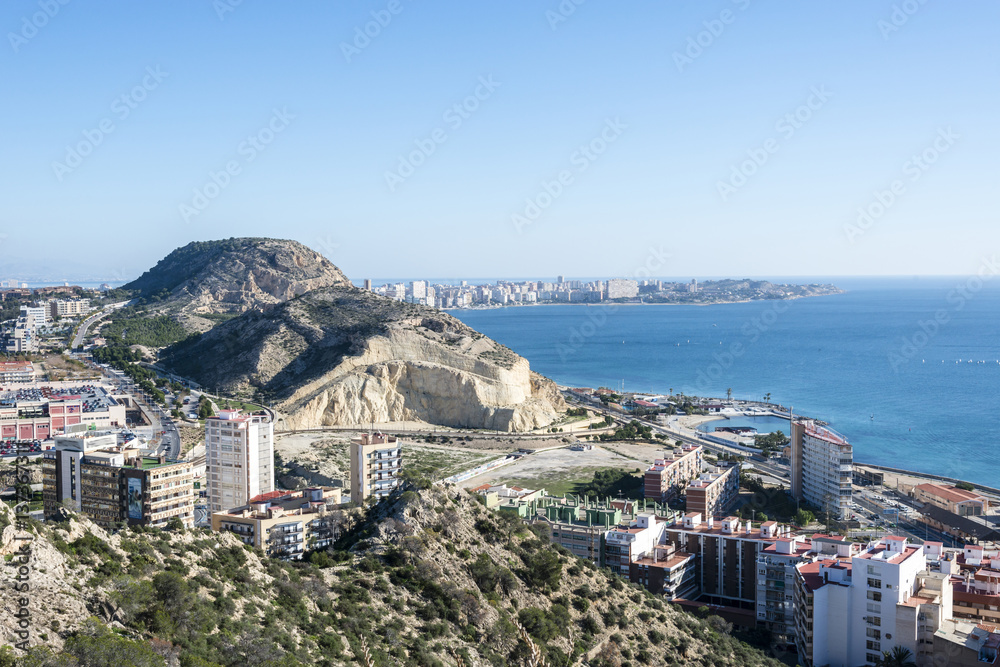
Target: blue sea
pixel 887 363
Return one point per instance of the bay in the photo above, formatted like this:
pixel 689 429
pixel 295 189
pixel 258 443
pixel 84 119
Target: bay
pixel 886 363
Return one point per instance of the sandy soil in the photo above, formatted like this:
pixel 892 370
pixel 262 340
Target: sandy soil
pixel 324 458
pixel 558 469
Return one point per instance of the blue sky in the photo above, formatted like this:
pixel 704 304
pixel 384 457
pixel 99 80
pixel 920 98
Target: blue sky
pixel 358 150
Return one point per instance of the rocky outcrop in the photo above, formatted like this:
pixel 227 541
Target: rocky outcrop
pixel 231 277
pixel 343 356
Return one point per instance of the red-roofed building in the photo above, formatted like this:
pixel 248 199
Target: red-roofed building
pixel 667 477
pixel 951 498
pixel 852 608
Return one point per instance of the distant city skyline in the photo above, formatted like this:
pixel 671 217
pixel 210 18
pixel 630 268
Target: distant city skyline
pixel 733 138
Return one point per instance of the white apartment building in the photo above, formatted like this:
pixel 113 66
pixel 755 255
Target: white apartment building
pixel 625 544
pixel 822 464
pixel 68 308
pixel 419 290
pixel 849 610
pixel 239 458
pixel 376 461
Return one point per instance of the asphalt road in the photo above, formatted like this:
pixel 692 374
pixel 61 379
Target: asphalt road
pixel 85 325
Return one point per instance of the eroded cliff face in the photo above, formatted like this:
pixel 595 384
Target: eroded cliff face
pixel 405 375
pixel 342 356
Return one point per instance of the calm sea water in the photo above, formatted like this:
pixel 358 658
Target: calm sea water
pixel 887 363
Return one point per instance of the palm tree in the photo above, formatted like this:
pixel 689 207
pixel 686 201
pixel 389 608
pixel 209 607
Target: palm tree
pixel 729 394
pixel 897 657
pixel 767 398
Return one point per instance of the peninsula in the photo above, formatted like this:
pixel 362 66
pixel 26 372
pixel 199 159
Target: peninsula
pixel 614 290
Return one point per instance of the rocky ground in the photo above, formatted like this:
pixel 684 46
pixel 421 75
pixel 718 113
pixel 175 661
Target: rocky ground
pixel 308 459
pixel 426 578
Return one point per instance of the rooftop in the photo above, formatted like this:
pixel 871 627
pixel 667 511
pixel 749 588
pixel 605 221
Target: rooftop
pixel 949 493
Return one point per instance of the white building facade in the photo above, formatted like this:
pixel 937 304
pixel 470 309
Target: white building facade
pixel 822 465
pixel 239 458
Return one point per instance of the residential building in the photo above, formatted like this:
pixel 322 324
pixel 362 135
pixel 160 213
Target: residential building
pixel 667 477
pixel 849 609
pixel 239 458
pixel 666 570
pixel 418 290
pixel 16 371
pixel 376 461
pixel 776 573
pixel 67 307
pixel 626 544
pixel 955 500
pixel 35 315
pixel 822 462
pixel 964 644
pixel 286 524
pixel 976 583
pixel 714 493
pixel 725 562
pixel 581 528
pixel 90 473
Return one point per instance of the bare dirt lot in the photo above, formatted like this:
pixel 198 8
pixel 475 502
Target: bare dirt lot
pixel 324 458
pixel 559 470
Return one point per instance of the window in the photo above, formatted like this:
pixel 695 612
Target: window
pixel 874 583
pixel 875 595
pixel 874 634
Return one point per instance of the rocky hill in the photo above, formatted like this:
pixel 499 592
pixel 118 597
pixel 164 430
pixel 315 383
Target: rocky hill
pixel 341 355
pixel 423 578
pixel 232 276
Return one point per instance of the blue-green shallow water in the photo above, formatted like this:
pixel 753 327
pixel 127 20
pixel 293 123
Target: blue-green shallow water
pixel 840 358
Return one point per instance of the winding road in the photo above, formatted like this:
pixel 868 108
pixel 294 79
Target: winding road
pixel 81 332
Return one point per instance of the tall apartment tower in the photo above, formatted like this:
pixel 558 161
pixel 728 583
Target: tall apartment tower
pixel 376 460
pixel 368 284
pixel 239 458
pixel 822 464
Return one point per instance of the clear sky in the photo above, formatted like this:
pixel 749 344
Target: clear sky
pixel 694 138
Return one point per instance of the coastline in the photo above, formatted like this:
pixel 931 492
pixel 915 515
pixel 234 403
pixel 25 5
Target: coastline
pixel 608 304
